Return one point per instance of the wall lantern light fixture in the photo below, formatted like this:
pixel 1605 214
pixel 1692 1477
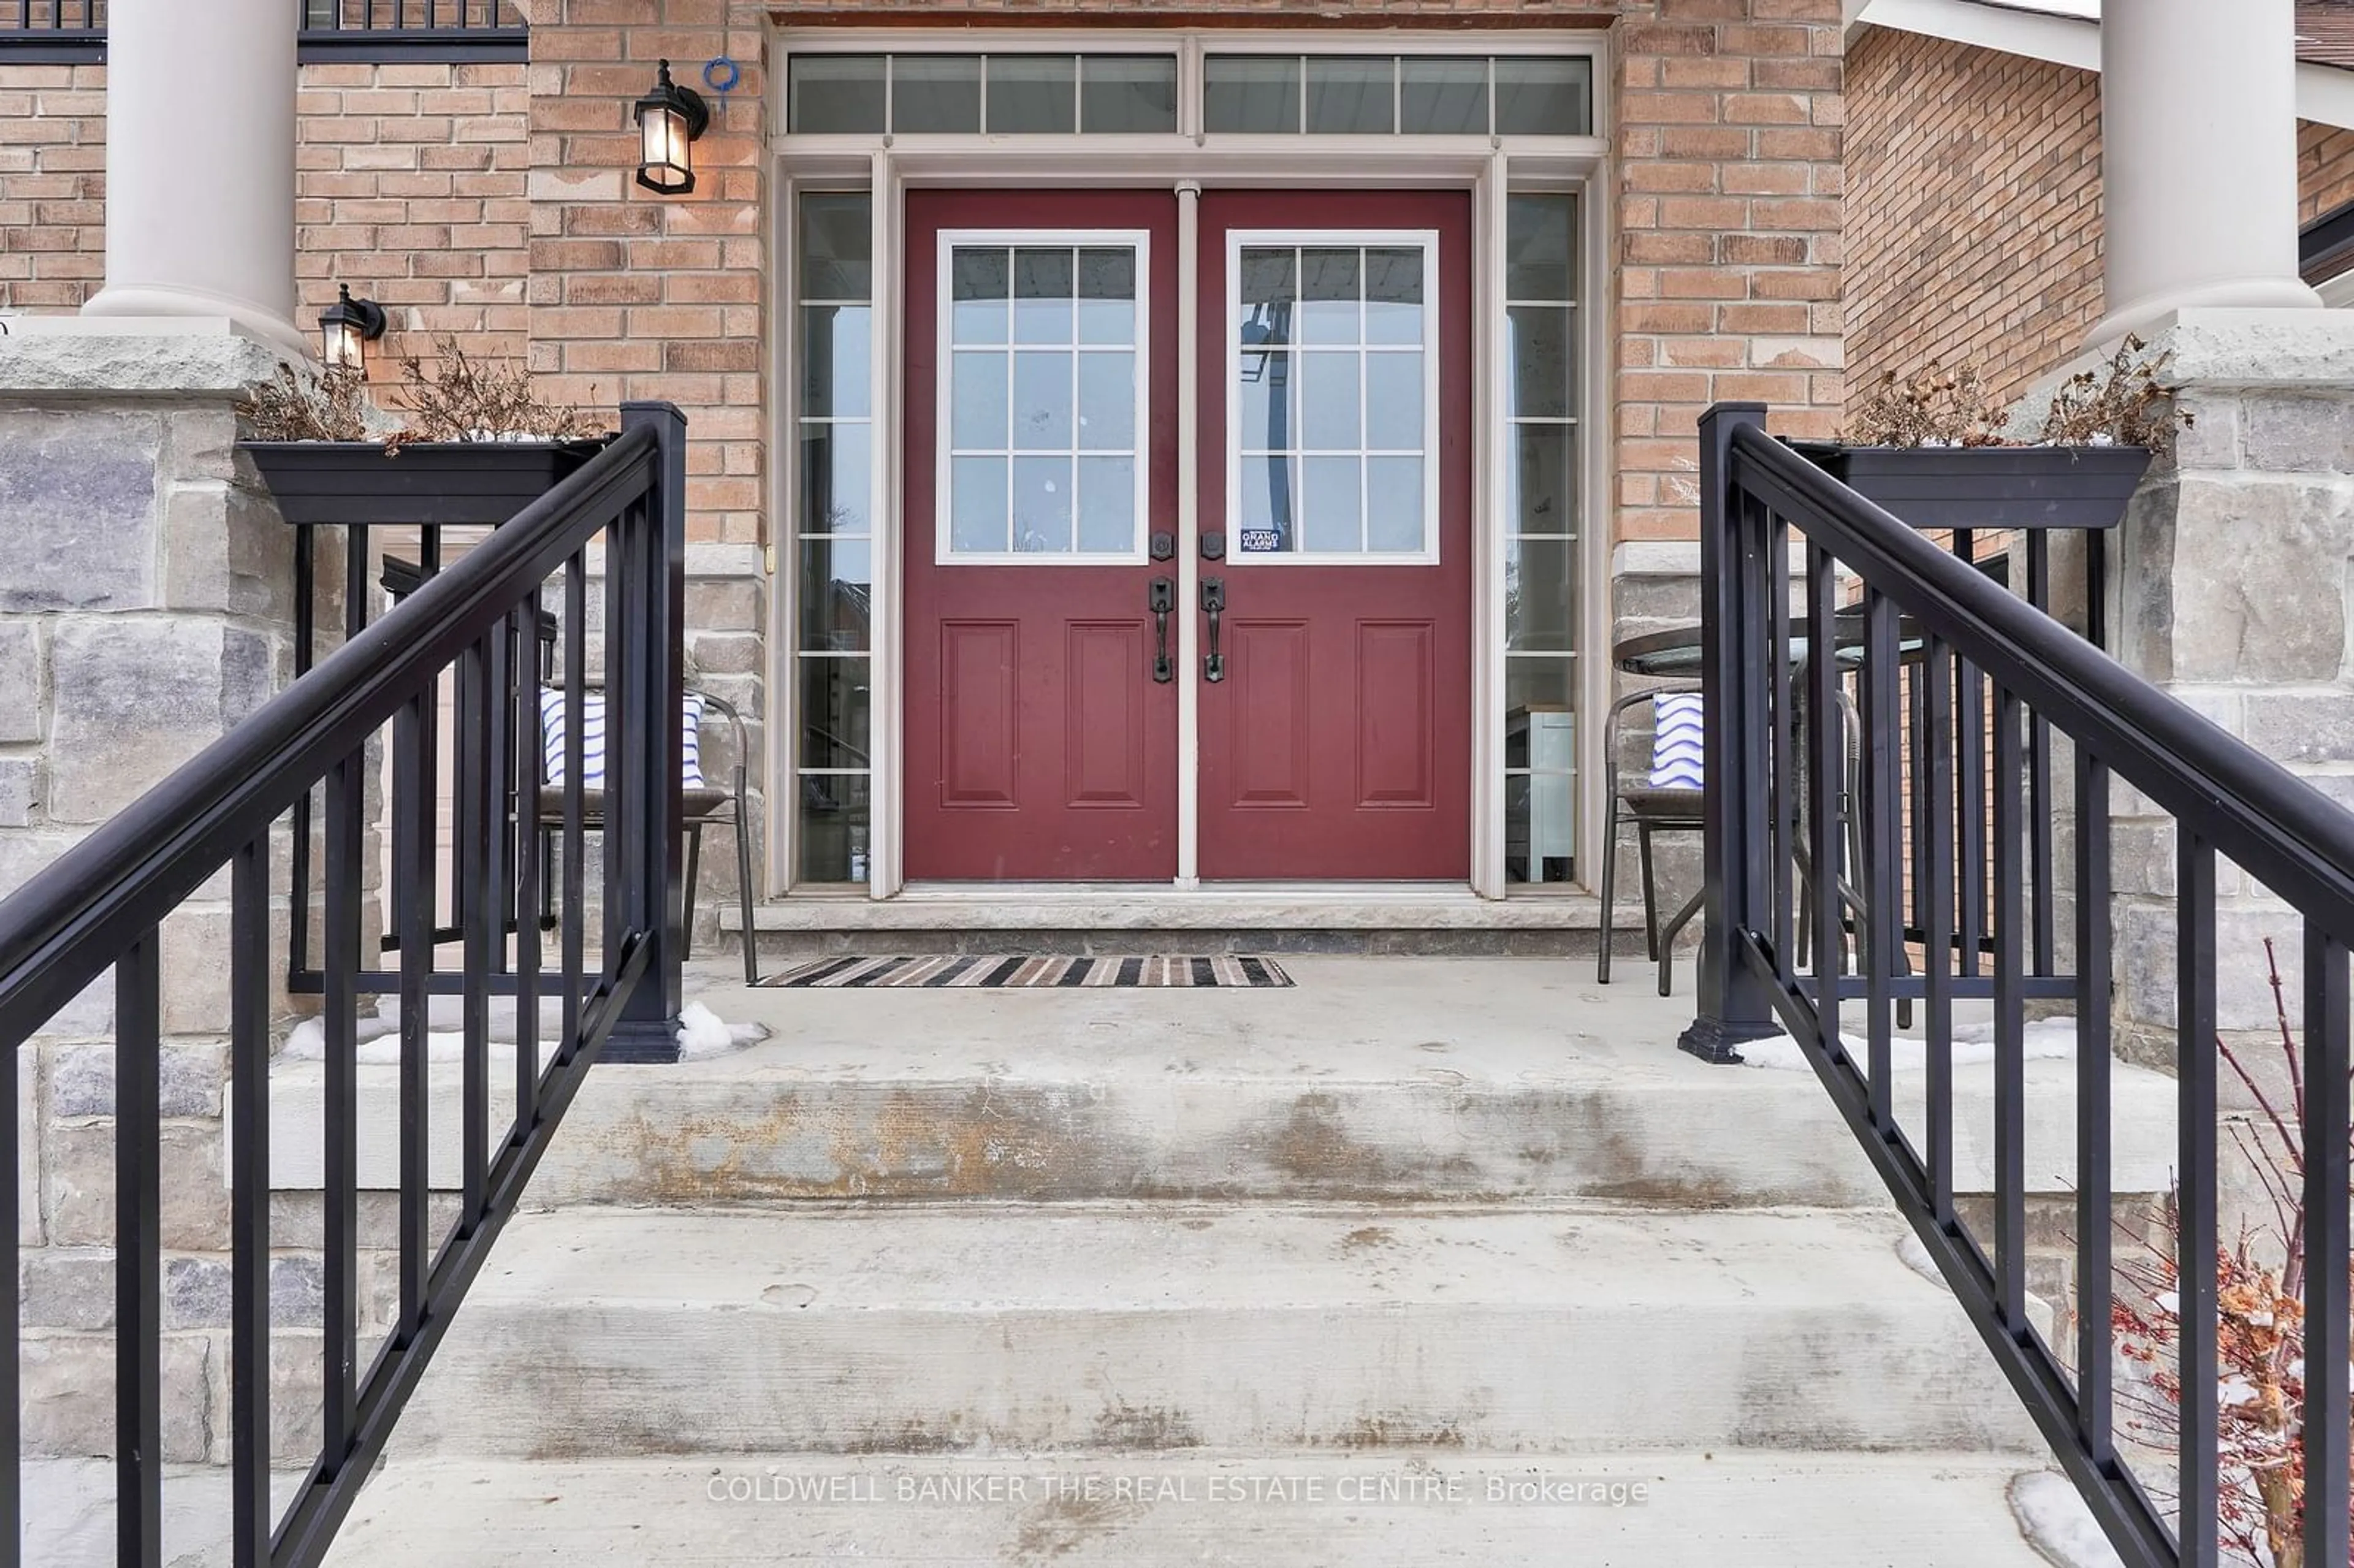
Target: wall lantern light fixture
pixel 670 119
pixel 346 328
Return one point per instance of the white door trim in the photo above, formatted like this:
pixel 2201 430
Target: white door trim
pixel 1189 533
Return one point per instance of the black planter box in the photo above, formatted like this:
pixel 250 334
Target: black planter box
pixel 431 482
pixel 1989 487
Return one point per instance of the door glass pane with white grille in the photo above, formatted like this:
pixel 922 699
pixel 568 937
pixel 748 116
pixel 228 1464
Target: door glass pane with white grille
pixel 1042 404
pixel 1333 411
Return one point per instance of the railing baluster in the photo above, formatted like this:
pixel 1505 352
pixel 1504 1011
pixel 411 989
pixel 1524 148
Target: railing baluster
pixel 2039 775
pixel 474 810
pixel 530 751
pixel 623 714
pixel 2195 1255
pixel 1882 923
pixel 339 1349
pixel 2096 589
pixel 1969 763
pixel 500 737
pixel 306 589
pixel 1826 778
pixel 1938 935
pixel 413 837
pixel 2326 1219
pixel 2009 1019
pixel 2094 1239
pixel 138 1255
pixel 576 719
pixel 248 1089
pixel 1782 790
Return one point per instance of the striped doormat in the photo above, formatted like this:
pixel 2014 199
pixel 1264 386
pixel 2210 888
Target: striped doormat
pixel 953 972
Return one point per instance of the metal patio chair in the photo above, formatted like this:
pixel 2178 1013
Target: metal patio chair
pixel 702 805
pixel 1669 800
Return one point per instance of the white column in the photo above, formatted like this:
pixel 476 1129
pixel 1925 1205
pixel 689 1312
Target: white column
pixel 200 164
pixel 2199 158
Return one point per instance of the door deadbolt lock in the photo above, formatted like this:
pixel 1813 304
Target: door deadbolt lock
pixel 1163 547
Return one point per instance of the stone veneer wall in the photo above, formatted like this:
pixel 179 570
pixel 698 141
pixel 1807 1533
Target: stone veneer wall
pixel 2232 576
pixel 1974 210
pixel 145 610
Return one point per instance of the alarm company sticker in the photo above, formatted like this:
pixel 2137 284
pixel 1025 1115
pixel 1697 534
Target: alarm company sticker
pixel 1261 541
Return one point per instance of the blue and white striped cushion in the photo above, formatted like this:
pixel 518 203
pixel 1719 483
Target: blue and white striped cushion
pixel 592 739
pixel 1676 725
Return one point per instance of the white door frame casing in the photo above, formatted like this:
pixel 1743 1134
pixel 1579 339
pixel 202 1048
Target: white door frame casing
pixel 1183 168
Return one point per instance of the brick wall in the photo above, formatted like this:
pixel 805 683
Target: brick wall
pixel 1974 209
pixel 2324 169
pixel 408 185
pixel 52 185
pixel 635 296
pixel 1729 245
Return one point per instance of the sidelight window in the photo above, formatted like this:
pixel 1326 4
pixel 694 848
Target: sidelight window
pixel 1541 605
pixel 834 535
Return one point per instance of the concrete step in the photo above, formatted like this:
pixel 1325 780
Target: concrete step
pixel 1370 1510
pixel 1021 1329
pixel 1062 918
pixel 1391 1079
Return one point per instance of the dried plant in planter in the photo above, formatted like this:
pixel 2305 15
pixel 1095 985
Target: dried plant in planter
pixel 1934 407
pixel 459 400
pixel 2121 404
pixel 299 407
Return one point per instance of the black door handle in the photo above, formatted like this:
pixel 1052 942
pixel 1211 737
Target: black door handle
pixel 1160 597
pixel 1214 600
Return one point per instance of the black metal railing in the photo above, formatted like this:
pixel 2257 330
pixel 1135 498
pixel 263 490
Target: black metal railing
pixel 73 32
pixel 52 32
pixel 106 902
pixel 1769 667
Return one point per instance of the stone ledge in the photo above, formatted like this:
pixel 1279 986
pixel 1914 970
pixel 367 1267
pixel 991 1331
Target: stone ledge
pixel 76 356
pixel 2257 347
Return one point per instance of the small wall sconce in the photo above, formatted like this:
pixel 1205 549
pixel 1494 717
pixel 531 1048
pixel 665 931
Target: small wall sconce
pixel 346 328
pixel 670 119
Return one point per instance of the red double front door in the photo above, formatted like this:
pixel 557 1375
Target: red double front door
pixel 1319 608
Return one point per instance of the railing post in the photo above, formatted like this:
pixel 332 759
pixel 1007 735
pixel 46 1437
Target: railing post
pixel 1734 1003
pixel 646 554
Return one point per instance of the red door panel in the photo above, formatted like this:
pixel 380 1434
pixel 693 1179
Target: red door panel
pixel 1038 744
pixel 1338 746
pixel 1395 667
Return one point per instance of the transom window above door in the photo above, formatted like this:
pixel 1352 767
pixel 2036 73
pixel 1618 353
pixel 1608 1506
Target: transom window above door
pixel 1332 395
pixel 1228 86
pixel 1044 402
pixel 1004 94
pixel 1385 95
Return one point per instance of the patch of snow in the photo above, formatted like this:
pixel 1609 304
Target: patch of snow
pixel 2055 1521
pixel 703 1033
pixel 1915 1257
